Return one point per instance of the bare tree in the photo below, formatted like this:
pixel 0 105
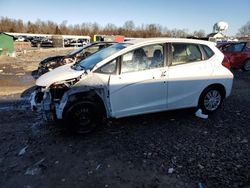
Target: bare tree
pixel 63 27
pixel 30 28
pixel 57 31
pixel 128 29
pixel 244 30
pixel 129 25
pixel 110 29
pixel 20 26
pixel 95 28
pixel 166 32
pixel 179 33
pixel 199 34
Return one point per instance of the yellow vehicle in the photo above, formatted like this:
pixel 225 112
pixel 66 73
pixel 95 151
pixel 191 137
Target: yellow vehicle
pixel 108 38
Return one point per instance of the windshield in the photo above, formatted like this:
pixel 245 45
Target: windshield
pixel 78 50
pixel 92 60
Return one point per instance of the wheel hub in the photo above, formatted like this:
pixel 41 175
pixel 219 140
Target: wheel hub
pixel 212 100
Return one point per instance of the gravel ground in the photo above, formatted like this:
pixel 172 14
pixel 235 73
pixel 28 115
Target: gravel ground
pixel 169 149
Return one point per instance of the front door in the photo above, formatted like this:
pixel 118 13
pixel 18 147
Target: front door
pixel 141 86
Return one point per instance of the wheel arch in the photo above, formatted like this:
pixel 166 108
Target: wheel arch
pixel 91 96
pixel 246 60
pixel 216 85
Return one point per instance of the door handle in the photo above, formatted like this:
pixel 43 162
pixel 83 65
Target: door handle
pixel 163 73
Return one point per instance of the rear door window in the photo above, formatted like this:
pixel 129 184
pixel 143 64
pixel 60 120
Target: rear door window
pixel 238 47
pixel 185 53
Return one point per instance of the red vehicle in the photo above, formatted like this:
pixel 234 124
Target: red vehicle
pixel 238 54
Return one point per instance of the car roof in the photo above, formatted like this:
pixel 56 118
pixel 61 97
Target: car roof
pixel 138 43
pixel 106 42
pixel 164 40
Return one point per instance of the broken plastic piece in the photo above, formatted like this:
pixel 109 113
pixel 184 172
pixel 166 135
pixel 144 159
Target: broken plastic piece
pixel 32 101
pixel 199 114
pixel 200 185
pixel 170 170
pixel 22 151
pixel 98 166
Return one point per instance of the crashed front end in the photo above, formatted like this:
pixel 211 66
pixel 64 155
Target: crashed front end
pixel 48 64
pixel 51 100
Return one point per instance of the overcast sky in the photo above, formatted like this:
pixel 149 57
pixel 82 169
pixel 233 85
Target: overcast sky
pixel 183 14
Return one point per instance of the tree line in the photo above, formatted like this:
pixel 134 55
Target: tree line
pixel 244 31
pixel 129 29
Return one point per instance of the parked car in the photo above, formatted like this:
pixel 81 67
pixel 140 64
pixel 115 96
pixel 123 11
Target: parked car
pixel 238 54
pixel 41 42
pixel 132 78
pixel 21 39
pixel 75 42
pixel 50 63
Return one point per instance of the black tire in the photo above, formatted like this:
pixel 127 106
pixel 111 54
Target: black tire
pixel 246 66
pixel 83 117
pixel 211 99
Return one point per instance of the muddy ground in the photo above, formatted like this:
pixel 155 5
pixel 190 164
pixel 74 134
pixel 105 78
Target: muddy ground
pixel 169 149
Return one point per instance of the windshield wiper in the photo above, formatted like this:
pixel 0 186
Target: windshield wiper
pixel 82 67
pixel 77 65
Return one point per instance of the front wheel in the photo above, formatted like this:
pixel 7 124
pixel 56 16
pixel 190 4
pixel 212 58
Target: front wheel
pixel 247 65
pixel 83 117
pixel 211 99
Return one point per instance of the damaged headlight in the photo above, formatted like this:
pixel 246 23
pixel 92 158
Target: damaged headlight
pixel 58 89
pixel 36 97
pixel 64 83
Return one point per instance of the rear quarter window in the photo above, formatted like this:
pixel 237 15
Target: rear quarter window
pixel 209 53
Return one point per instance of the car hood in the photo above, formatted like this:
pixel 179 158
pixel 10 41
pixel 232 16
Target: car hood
pixel 59 74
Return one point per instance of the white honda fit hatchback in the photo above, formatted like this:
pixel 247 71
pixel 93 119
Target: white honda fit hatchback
pixel 135 77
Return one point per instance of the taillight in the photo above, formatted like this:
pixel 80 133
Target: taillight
pixel 226 63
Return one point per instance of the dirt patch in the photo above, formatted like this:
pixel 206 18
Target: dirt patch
pixel 16 73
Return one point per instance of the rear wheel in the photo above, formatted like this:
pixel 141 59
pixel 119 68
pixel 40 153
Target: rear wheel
pixel 246 66
pixel 83 117
pixel 211 99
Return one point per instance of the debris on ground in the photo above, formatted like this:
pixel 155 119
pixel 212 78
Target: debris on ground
pixel 199 114
pixel 22 151
pixel 170 170
pixel 36 168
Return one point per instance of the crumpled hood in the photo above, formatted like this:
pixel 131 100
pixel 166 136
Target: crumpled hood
pixel 59 74
pixel 53 58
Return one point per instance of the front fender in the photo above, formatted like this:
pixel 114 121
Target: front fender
pixel 71 96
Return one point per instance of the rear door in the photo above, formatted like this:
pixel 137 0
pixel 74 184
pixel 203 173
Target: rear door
pixel 187 75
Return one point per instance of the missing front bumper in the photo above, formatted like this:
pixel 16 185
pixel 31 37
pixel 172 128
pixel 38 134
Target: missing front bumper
pixel 42 102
